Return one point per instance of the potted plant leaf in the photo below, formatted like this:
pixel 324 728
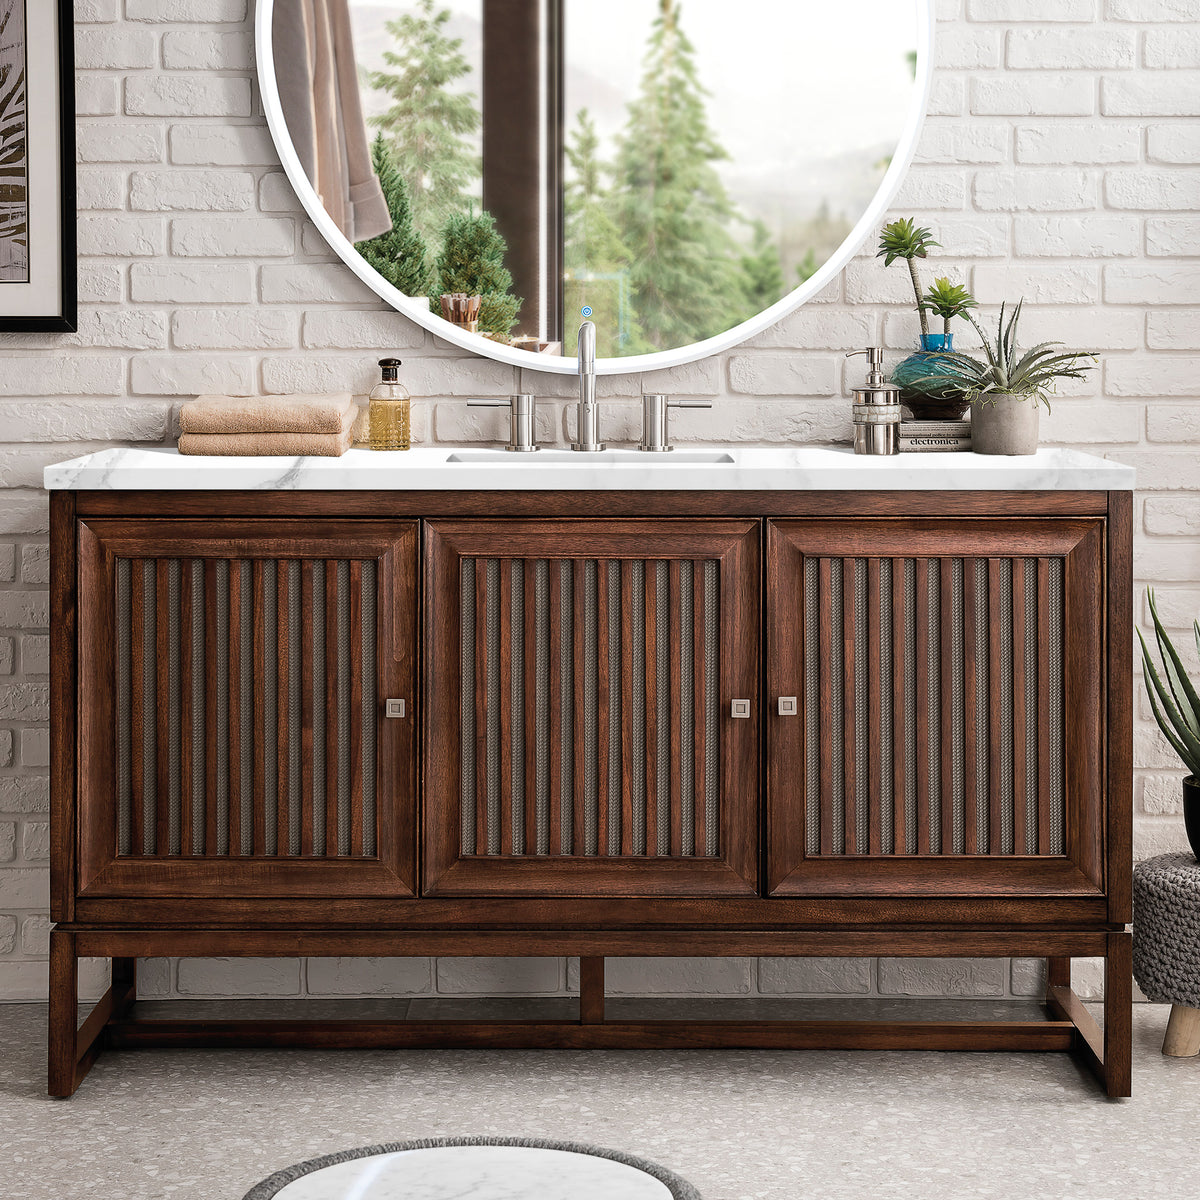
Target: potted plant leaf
pixel 1008 387
pixel 1176 707
pixel 917 376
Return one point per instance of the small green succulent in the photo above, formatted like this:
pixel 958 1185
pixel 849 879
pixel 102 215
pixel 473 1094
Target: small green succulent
pixel 947 300
pixel 1007 371
pixel 903 238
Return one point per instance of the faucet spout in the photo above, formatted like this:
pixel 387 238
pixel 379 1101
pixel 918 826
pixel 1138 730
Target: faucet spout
pixel 587 435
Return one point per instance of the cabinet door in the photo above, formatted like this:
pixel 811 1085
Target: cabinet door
pixel 580 676
pixel 233 676
pixel 947 734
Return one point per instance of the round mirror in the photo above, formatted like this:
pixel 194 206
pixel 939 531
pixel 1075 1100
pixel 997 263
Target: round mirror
pixel 680 173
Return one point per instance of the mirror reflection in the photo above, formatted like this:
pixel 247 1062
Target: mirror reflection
pixel 667 169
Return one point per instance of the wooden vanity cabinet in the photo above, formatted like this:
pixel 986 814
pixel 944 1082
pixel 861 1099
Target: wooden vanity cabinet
pixel 591 724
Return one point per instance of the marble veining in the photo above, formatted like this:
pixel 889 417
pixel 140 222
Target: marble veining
pixel 477 1173
pixel 750 468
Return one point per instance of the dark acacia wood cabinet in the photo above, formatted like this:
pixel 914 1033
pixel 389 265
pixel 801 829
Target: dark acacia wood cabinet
pixel 591 724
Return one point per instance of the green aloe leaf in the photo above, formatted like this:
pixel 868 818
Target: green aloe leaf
pixel 1010 330
pixel 1181 686
pixel 1191 763
pixel 1178 732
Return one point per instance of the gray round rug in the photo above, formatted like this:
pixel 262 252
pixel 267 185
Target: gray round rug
pixel 487 1168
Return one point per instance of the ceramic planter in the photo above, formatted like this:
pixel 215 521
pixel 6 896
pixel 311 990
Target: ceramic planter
pixel 925 398
pixel 1005 425
pixel 1191 812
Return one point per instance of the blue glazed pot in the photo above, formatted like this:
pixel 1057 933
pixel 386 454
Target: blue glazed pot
pixel 928 400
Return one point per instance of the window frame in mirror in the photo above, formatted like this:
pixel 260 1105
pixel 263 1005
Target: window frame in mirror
pixel 418 310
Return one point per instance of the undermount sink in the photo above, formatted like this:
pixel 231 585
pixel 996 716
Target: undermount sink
pixel 599 458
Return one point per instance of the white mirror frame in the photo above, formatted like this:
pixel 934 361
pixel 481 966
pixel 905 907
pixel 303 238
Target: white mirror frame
pixel 527 359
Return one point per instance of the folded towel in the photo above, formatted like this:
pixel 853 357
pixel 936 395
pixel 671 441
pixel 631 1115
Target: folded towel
pixel 328 445
pixel 266 414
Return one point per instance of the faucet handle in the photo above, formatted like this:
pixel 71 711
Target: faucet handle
pixel 523 409
pixel 654 420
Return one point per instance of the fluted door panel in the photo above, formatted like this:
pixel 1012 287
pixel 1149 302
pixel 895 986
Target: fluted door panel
pixel 586 736
pixel 945 674
pixel 241 712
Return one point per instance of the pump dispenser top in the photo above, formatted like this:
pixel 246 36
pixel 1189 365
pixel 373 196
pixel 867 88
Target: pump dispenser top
pixel 876 409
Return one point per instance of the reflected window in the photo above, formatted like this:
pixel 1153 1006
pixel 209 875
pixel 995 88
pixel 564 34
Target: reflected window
pixel 668 168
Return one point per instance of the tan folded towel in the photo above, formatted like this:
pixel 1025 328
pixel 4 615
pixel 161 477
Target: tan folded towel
pixel 327 445
pixel 266 414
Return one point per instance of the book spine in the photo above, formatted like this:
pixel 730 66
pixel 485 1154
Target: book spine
pixel 927 444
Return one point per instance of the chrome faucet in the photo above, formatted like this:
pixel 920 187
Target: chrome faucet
pixel 587 434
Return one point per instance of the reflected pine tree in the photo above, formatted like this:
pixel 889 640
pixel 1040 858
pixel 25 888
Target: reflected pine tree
pixel 472 261
pixel 400 255
pixel 670 203
pixel 596 259
pixel 428 126
pixel 763 270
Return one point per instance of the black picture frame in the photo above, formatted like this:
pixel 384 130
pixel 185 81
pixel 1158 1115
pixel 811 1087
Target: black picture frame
pixel 65 319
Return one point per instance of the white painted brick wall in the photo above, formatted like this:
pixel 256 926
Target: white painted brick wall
pixel 1059 162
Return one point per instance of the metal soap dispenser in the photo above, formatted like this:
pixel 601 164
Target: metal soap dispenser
pixel 876 409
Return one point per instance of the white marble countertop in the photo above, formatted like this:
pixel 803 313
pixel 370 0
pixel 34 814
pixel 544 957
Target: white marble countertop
pixel 739 468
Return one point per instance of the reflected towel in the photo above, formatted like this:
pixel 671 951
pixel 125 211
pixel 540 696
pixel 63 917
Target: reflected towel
pixel 267 414
pixel 317 76
pixel 290 444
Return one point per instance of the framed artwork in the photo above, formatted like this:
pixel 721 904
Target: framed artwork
pixel 37 165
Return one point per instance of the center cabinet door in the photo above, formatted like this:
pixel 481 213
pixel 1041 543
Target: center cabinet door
pixel 579 683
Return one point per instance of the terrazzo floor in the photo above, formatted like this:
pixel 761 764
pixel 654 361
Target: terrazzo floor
pixel 205 1125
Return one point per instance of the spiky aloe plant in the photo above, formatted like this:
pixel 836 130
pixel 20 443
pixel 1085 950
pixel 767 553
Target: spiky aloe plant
pixel 904 239
pixel 1175 703
pixel 947 300
pixel 1008 372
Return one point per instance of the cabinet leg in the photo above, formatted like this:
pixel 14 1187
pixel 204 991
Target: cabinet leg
pixel 1058 972
pixel 63 1015
pixel 1118 1015
pixel 1183 1032
pixel 124 985
pixel 591 991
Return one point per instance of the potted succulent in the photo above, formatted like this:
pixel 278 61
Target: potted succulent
pixel 1008 388
pixel 1176 707
pixel 947 300
pixel 926 396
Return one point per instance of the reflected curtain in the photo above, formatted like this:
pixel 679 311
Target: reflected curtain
pixel 317 78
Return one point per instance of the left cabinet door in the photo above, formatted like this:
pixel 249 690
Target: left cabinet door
pixel 233 736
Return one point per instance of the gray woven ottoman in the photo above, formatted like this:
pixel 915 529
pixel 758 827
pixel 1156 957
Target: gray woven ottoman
pixel 1166 944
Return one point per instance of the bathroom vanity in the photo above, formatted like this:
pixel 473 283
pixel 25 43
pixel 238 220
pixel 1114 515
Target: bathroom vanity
pixel 755 702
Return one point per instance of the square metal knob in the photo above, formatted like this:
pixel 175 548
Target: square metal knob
pixel 740 708
pixel 393 708
pixel 787 706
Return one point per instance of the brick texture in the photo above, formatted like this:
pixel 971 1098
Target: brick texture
pixel 1058 162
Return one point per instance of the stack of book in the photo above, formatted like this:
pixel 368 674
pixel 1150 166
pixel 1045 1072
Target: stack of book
pixel 932 436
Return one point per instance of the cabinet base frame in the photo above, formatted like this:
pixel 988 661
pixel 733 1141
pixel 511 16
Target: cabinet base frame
pixel 1069 1026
